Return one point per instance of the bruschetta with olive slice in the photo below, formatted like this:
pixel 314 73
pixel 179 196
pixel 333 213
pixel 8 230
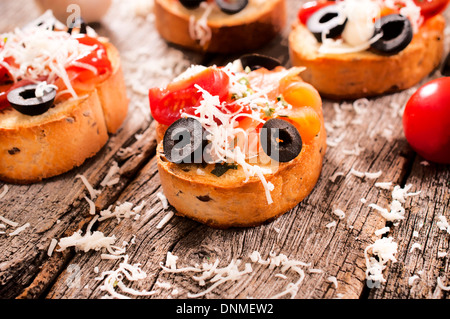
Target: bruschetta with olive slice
pixel 219 26
pixel 362 48
pixel 238 145
pixel 62 93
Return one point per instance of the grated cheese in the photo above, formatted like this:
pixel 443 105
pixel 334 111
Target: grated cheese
pixel 415 246
pixel 38 52
pixel 113 280
pixel 92 192
pixel 90 240
pixel 333 280
pixel 9 222
pixel 52 247
pixel 365 174
pixel 111 177
pixel 4 192
pixel 441 285
pixel 382 231
pixel 412 279
pixel 91 205
pixel 339 213
pixel 19 229
pixel 163 200
pixel 443 224
pixel 383 185
pixel 385 249
pixel 124 210
pixel 199 29
pixel 165 220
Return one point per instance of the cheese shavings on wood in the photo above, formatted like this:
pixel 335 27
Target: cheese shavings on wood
pixel 384 249
pixel 4 191
pixel 212 274
pixel 89 241
pixel 443 224
pixel 113 280
pixel 92 192
pixel 121 211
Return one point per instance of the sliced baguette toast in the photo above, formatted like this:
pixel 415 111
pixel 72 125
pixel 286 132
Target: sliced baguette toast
pixel 231 201
pixel 365 74
pixel 249 29
pixel 33 148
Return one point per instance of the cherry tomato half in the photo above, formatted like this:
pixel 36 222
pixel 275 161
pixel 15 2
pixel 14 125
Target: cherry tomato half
pixel 430 8
pixel 426 120
pixel 168 103
pixel 310 7
pixel 82 78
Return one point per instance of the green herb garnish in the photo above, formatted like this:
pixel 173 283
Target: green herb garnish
pixel 222 168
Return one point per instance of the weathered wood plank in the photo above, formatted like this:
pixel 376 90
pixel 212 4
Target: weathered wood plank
pixel 56 208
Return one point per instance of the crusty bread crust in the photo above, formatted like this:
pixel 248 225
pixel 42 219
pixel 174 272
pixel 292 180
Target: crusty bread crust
pixel 365 74
pixel 33 148
pixel 229 201
pixel 247 30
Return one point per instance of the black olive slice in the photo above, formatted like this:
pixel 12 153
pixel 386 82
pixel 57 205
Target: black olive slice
pixel 326 20
pixel 255 61
pixel 184 141
pixel 24 100
pixel 280 140
pixel 446 66
pixel 191 4
pixel 232 6
pixel 396 32
pixel 78 22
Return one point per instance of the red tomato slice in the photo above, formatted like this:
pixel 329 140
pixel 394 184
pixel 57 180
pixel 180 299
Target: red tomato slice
pixel 84 79
pixel 430 8
pixel 167 104
pixel 426 120
pixel 310 7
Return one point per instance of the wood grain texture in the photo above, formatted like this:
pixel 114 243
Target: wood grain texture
pixel 56 208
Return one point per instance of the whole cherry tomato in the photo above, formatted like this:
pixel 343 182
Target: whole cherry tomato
pixel 426 120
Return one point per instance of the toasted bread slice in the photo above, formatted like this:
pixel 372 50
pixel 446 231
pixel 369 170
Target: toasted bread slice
pixel 365 74
pixel 249 29
pixel 229 200
pixel 33 148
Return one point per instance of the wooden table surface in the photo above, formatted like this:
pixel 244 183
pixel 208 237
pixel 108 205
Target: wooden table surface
pixel 365 138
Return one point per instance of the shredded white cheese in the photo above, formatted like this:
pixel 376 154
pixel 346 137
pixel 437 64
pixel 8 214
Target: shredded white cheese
pixel 443 224
pixel 5 190
pixel 111 177
pixel 199 29
pixel 385 249
pixel 38 52
pixel 9 222
pixel 92 192
pixel 113 280
pixel 19 229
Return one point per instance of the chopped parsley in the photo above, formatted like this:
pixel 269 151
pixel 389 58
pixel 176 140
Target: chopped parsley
pixel 222 168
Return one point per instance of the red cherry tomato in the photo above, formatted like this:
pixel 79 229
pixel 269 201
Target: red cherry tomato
pixel 430 8
pixel 426 120
pixel 310 7
pixel 168 103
